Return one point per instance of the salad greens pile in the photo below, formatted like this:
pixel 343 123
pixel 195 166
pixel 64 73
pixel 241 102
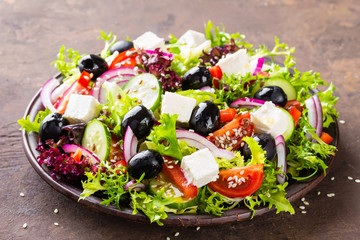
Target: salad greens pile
pixel 306 149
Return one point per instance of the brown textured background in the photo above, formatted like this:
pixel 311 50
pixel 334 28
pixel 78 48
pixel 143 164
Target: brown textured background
pixel 326 36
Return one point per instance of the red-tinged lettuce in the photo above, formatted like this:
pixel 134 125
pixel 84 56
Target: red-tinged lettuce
pixel 159 64
pixel 61 165
pixel 218 52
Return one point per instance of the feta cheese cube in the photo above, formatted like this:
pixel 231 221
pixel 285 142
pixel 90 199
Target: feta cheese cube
pixel 82 108
pixel 173 103
pixel 235 63
pixel 195 42
pixel 200 168
pixel 269 119
pixel 149 41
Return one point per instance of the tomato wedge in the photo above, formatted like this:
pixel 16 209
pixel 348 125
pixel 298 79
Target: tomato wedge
pixel 326 138
pixel 231 134
pixel 239 182
pixel 125 59
pixel 217 74
pixel 177 176
pixel 227 115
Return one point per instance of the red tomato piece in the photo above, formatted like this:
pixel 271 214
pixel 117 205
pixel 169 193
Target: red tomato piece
pixel 239 182
pixel 326 138
pixel 227 115
pixel 177 176
pixel 231 134
pixel 121 163
pixel 125 59
pixel 217 74
pixel 293 103
pixel 76 155
pixel 296 114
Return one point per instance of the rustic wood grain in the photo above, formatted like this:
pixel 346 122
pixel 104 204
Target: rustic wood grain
pixel 326 35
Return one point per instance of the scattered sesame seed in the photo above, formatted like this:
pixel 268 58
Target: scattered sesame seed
pixel 350 178
pixel 303 212
pixel 306 203
pixel 342 121
pixel 176 234
pixel 330 194
pixel 22 194
pixel 318 193
pixel 56 210
pixel 303 199
pixel 167 238
pixel 24 226
pixel 302 207
pixel 332 179
pixel 56 224
pixel 197 228
pixel 357 180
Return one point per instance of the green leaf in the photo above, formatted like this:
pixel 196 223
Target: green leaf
pixel 164 136
pixel 328 102
pixel 110 39
pixel 34 126
pixel 67 62
pixel 199 95
pixel 257 153
pixel 278 200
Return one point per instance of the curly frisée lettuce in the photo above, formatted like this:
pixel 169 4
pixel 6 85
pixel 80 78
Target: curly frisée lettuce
pixel 33 126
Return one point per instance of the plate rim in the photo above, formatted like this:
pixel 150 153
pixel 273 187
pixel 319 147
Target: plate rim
pixel 295 191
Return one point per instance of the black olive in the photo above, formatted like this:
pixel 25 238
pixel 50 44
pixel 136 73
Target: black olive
pixel 93 64
pixel 267 143
pixel 140 119
pixel 197 77
pixel 121 46
pixel 205 118
pixel 148 161
pixel 51 127
pixel 274 94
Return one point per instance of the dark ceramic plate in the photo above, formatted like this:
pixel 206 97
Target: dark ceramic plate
pixel 294 191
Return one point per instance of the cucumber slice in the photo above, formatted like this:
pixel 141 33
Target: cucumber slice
pixel 288 121
pixel 146 88
pixel 171 192
pixel 282 83
pixel 97 139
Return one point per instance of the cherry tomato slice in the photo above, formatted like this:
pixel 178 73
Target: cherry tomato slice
pixel 121 163
pixel 239 182
pixel 231 134
pixel 125 59
pixel 177 176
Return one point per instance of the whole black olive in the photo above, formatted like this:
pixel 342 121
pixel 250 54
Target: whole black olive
pixel 205 118
pixel 93 64
pixel 51 127
pixel 148 161
pixel 140 119
pixel 267 143
pixel 274 94
pixel 197 77
pixel 121 46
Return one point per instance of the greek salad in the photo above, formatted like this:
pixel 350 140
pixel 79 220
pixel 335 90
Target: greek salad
pixel 202 123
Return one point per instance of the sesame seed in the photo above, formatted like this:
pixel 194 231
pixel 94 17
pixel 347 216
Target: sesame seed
pixel 306 203
pixel 22 194
pixel 170 166
pixel 198 228
pixel 318 193
pixel 303 199
pixel 56 224
pixel 242 172
pixel 56 210
pixel 332 179
pixel 24 226
pixel 176 234
pixel 350 178
pixel 303 212
pixel 330 195
pixel 342 121
pixel 302 207
pixel 167 238
pixel 357 180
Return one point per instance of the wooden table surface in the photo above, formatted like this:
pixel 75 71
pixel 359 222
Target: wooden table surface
pixel 325 33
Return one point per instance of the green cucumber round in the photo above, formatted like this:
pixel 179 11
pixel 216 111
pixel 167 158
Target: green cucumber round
pixel 288 120
pixel 146 88
pixel 97 139
pixel 171 192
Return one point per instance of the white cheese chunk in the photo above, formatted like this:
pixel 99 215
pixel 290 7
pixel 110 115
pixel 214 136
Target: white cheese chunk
pixel 149 41
pixel 82 108
pixel 200 168
pixel 195 42
pixel 235 63
pixel 269 119
pixel 173 103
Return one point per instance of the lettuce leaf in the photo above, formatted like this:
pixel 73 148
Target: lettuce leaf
pixel 328 102
pixel 110 39
pixel 67 62
pixel 33 126
pixel 199 95
pixel 164 136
